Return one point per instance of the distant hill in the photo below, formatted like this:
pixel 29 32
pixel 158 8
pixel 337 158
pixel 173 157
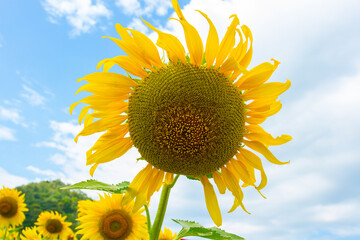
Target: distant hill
pixel 46 196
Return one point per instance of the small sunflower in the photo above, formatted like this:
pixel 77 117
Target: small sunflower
pixel 109 219
pixel 12 207
pixel 53 225
pixel 167 234
pixel 195 115
pixel 30 234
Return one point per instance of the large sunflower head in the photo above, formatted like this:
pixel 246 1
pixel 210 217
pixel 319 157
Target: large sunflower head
pixel 30 234
pixel 194 114
pixel 12 207
pixel 109 219
pixel 53 225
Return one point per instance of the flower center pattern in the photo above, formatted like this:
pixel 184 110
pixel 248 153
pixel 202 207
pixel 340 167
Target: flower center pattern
pixel 53 226
pixel 8 207
pixel 116 224
pixel 186 119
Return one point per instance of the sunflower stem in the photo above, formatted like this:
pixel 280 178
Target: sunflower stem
pixel 165 193
pixel 148 218
pixel 5 233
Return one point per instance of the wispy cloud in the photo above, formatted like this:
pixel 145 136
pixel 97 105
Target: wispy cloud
pixel 10 114
pixel 10 180
pixel 32 97
pixel 7 134
pixel 146 7
pixel 82 15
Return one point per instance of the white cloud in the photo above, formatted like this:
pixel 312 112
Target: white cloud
pixel 7 134
pixel 11 181
pixel 82 15
pixel 48 173
pixel 146 7
pixel 10 114
pixel 32 96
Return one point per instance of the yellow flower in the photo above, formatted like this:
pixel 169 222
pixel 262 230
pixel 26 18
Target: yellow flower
pixel 30 234
pixel 197 116
pixel 167 234
pixel 53 225
pixel 109 219
pixel 10 233
pixel 12 207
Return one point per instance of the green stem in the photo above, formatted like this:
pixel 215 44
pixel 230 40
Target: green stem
pixel 5 233
pixel 148 218
pixel 165 193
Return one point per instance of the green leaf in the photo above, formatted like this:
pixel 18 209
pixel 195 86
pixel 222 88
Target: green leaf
pixel 194 229
pixel 100 186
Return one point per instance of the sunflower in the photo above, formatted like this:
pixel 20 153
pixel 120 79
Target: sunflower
pixel 53 225
pixel 167 234
pixel 196 115
pixel 30 234
pixel 109 219
pixel 12 207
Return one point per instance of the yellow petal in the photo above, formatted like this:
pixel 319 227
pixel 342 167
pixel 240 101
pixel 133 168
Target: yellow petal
pixel 229 66
pixel 169 177
pixel 252 161
pixel 134 185
pixel 131 49
pixel 261 104
pixel 115 150
pixel 141 195
pixel 193 42
pixel 101 125
pixel 253 120
pixel 83 113
pixel 246 59
pixel 147 47
pixel 267 139
pixel 211 201
pixel 129 65
pixel 256 76
pixel 273 109
pixel 219 182
pixel 267 90
pixel 93 168
pixel 227 42
pixel 212 42
pixel 232 184
pixel 170 44
pixel 104 90
pixel 177 9
pixel 155 183
pixel 110 78
pixel 243 172
pixel 260 148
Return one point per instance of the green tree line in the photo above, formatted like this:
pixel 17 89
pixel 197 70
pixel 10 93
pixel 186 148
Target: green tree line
pixel 48 196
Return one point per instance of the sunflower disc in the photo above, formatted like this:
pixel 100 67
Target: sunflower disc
pixel 186 119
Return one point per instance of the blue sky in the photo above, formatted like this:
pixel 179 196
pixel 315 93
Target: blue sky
pixel 46 45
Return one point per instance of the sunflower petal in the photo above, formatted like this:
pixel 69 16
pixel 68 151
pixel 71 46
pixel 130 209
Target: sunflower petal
pixel 148 48
pixel 212 42
pixel 256 76
pixel 193 42
pixel 227 42
pixel 211 201
pixel 267 90
pixel 260 148
pixel 110 78
pixel 219 181
pixel 246 59
pixel 135 184
pixel 175 50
